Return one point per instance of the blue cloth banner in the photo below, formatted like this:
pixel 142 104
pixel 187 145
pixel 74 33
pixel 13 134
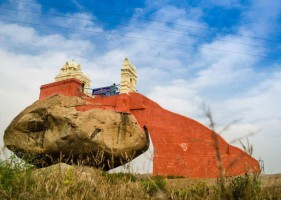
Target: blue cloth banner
pixel 101 91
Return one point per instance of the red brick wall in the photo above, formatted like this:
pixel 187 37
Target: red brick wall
pixel 69 87
pixel 185 147
pixel 182 146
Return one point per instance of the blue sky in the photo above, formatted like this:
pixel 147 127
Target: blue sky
pixel 223 53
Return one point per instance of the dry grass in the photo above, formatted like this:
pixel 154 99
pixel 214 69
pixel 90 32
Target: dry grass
pixel 63 181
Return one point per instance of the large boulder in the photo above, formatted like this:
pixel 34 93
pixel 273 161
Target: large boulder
pixel 52 130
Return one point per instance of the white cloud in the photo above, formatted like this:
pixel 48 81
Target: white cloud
pixel 177 97
pixel 262 18
pixel 81 21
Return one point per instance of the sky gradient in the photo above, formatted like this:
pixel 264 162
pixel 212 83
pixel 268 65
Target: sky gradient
pixel 225 54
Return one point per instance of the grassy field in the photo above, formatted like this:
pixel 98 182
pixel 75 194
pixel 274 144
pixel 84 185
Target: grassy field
pixel 61 181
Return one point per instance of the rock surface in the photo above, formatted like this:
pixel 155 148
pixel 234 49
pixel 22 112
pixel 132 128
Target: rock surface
pixel 52 130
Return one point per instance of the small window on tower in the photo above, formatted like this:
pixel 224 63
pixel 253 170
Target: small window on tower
pixel 83 86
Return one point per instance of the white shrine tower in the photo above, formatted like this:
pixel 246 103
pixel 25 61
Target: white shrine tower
pixel 128 77
pixel 73 70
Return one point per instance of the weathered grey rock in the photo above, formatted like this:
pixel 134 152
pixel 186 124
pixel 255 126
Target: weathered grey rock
pixel 52 130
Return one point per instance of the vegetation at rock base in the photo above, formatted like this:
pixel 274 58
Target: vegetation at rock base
pixel 154 184
pixel 61 181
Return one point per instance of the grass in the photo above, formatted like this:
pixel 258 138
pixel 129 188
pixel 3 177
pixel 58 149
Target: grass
pixel 154 185
pixel 61 181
